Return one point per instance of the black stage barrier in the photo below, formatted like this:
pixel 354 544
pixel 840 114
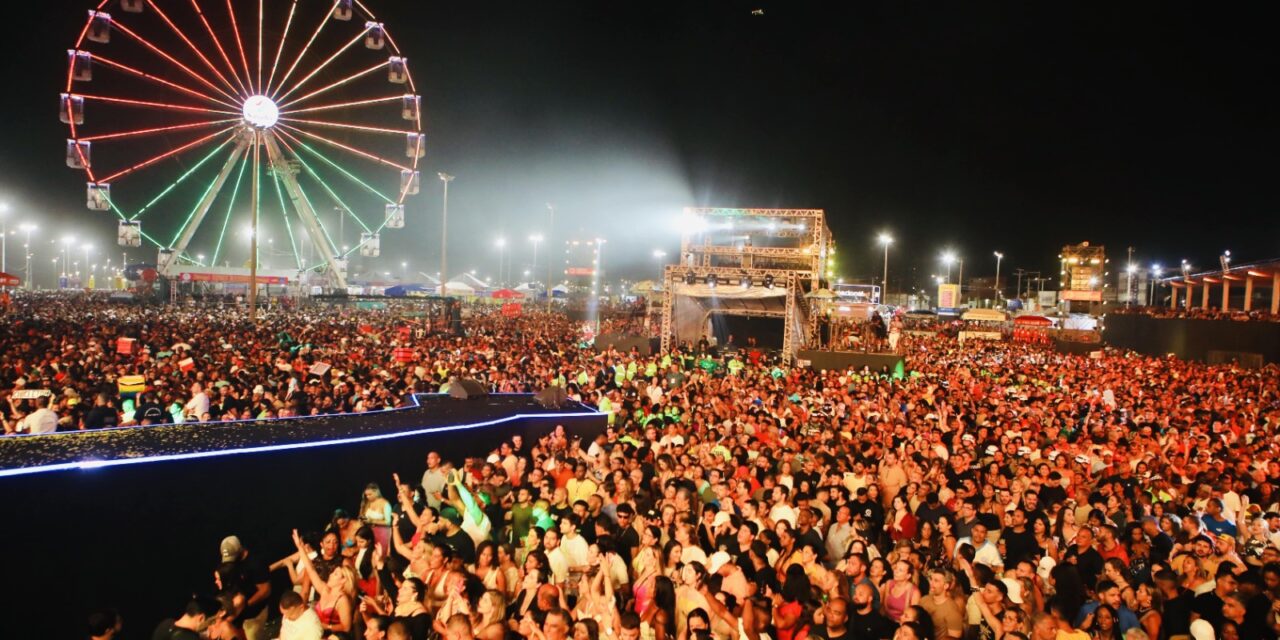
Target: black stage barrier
pixel 824 360
pixel 1192 339
pixel 142 537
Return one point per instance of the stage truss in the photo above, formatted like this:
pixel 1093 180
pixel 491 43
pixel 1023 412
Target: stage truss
pixel 744 249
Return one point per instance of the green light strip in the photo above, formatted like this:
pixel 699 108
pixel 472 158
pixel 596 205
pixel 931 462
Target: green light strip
pixel 192 214
pixel 340 170
pixel 319 222
pixel 284 213
pixel 177 182
pixel 333 195
pixel 230 205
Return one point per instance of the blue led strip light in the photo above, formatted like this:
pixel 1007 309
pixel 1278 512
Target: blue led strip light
pixel 97 464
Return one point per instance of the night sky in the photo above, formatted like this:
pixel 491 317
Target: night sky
pixel 983 126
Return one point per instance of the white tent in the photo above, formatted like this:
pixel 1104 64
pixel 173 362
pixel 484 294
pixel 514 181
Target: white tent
pixel 459 288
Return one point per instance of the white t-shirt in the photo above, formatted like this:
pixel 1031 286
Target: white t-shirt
pixel 558 564
pixel 198 405
pixel 42 421
pixel 575 550
pixel 306 627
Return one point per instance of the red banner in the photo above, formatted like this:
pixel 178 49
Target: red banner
pixel 511 310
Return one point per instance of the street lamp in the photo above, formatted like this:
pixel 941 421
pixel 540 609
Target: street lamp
pixel 535 239
pixel 1128 280
pixel 4 237
pixel 67 241
pixel 444 232
pixel 1155 272
pixel 551 229
pixel 886 240
pixel 999 257
pixel 27 228
pixel 87 247
pixel 501 243
pixel 659 254
pixel 948 258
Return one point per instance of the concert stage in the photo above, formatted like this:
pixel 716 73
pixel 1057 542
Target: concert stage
pixel 131 518
pixel 824 360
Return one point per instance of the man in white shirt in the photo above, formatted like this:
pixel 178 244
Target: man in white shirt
pixel 985 552
pixel 198 405
pixel 573 546
pixel 433 480
pixel 43 419
pixel 300 622
pixel 556 560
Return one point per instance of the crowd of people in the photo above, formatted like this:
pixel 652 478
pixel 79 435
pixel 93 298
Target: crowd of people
pixel 997 491
pixel 1200 313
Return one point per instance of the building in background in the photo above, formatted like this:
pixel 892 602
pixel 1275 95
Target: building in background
pixel 1083 279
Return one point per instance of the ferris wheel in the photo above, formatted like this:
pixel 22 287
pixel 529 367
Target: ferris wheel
pixel 212 120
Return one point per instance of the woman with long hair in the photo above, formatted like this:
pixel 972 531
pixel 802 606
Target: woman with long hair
pixel 789 606
pixel 1150 609
pixel 878 572
pixel 658 622
pixel 1105 625
pixel 510 572
pixel 336 604
pixel 901 522
pixel 900 592
pixel 375 511
pixel 537 572
pixel 364 563
pixel 1043 534
pixel 487 569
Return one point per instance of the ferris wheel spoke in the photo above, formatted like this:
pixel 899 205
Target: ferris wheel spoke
pixel 336 54
pixel 168 154
pixel 303 51
pixel 129 102
pixel 235 29
pixel 293 7
pixel 350 127
pixel 163 54
pixel 218 44
pixel 335 84
pixel 337 167
pixel 235 191
pixel 173 185
pixel 161 81
pixel 196 50
pixel 326 187
pixel 344 105
pixel 334 143
pixel 154 130
pixel 288 226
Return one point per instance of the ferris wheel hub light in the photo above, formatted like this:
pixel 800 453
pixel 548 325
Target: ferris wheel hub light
pixel 261 112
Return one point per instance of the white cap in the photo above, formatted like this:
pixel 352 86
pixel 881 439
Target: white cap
pixel 1015 590
pixel 717 560
pixel 1202 630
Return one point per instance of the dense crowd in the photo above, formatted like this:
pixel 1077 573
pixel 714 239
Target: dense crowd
pixel 1199 313
pixel 995 492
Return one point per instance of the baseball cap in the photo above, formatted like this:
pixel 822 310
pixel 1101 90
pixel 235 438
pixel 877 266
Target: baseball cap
pixel 231 548
pixel 717 560
pixel 721 518
pixel 1015 589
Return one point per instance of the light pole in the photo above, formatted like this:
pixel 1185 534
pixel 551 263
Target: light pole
pixel 27 228
pixel 56 280
pixel 4 237
pixel 1155 273
pixel 886 240
pixel 444 234
pixel 404 271
pixel 535 239
pixel 501 243
pixel 999 257
pixel 1128 282
pixel 67 241
pixel 659 254
pixel 948 258
pixel 87 247
pixel 551 229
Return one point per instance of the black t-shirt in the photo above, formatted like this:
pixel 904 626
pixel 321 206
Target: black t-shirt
pixel 101 418
pixel 419 626
pixel 152 412
pixel 820 631
pixel 1018 546
pixel 1088 564
pixel 627 541
pixel 1176 615
pixel 462 545
pixel 871 626
pixel 166 631
pixel 249 574
pixel 1209 606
